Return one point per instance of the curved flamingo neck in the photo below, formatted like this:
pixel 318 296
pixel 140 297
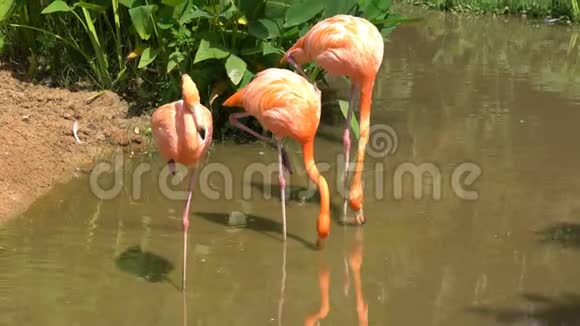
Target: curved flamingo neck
pixel 323 223
pixel 208 137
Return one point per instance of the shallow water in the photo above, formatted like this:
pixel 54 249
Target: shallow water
pixel 503 96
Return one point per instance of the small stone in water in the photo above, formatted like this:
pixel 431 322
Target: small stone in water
pixel 237 219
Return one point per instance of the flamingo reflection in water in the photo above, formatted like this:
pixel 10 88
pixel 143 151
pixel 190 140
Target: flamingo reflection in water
pixel 354 262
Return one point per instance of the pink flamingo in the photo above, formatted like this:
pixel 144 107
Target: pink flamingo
pixel 289 106
pixel 176 130
pixel 349 46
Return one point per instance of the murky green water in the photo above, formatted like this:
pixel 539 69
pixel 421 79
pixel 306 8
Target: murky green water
pixel 503 96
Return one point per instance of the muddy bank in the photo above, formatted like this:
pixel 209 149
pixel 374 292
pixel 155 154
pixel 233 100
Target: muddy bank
pixel 37 147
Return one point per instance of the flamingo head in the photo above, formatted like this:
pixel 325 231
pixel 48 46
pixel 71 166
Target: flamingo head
pixel 189 91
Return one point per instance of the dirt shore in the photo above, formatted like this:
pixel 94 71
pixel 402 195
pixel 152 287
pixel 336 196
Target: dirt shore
pixel 37 146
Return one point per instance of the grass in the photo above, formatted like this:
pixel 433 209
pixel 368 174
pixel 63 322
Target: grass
pixel 569 9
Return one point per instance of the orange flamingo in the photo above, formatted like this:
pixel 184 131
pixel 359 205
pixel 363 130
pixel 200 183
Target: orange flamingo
pixel 176 130
pixel 289 106
pixel 349 46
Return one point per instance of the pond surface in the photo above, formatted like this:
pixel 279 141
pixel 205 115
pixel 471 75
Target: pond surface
pixel 461 94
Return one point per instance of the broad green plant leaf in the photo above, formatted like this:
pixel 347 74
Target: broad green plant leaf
pixel 268 48
pixel 387 30
pixel 302 12
pixel 248 76
pixel 129 3
pixel 165 18
pixel 353 123
pixel 335 7
pixel 263 29
pixel 252 9
pixel 376 8
pixel 206 51
pixel 6 8
pixel 235 68
pixel 172 3
pixel 189 16
pixel 142 21
pixel 175 59
pixel 147 57
pixel 56 6
pixel 275 9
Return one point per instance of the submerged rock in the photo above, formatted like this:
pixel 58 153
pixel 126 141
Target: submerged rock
pixel 237 219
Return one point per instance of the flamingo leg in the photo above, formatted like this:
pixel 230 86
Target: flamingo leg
pixel 299 69
pixel 282 182
pixel 193 173
pixel 236 123
pixel 346 142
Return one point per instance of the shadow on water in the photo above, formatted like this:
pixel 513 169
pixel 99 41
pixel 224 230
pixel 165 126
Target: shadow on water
pixel 298 194
pixel 146 265
pixel 259 224
pixel 564 310
pixel 564 234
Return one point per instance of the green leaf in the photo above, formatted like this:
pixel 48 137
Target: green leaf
pixel 175 59
pixel 208 51
pixel 302 12
pixel 335 7
pixel 128 3
pixel 6 8
pixel 249 49
pixel 268 48
pixel 165 18
pixel 147 57
pixel 248 76
pixel 376 8
pixel 263 29
pixel 250 8
pixel 235 68
pixel 172 3
pixel 275 9
pixel 387 30
pixel 188 17
pixel 90 6
pixel 291 33
pixel 56 6
pixel 304 30
pixel 394 20
pixel 353 123
pixel 142 21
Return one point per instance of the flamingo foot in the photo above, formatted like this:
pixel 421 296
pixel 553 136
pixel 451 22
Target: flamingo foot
pixel 171 164
pixel 319 244
pixel 360 217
